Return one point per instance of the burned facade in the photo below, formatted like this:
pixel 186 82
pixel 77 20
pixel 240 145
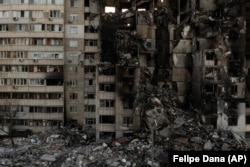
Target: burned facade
pixel 189 54
pixel 110 65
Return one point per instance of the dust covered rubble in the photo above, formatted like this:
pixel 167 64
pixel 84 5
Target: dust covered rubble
pixel 170 129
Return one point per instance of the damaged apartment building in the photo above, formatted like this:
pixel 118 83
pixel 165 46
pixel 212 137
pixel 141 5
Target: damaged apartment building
pixel 104 63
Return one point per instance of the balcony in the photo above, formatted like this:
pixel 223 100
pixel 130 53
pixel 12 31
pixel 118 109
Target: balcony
pixel 24 61
pixel 32 75
pixel 106 78
pixel 91 49
pixel 42 34
pixel 106 95
pixel 32 7
pixel 91 36
pixel 106 111
pixel 10 88
pixel 106 127
pixel 34 48
pixel 10 20
pixel 46 116
pixel 35 102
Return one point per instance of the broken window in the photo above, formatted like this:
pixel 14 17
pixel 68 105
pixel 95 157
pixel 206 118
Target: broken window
pixel 54 82
pixel 232 120
pixel 107 103
pixel 248 119
pixel 211 120
pixel 210 56
pixel 131 72
pixel 73 96
pixel 90 121
pixel 127 121
pixel 210 88
pixel 233 89
pixel 89 108
pixel 90 29
pixel 107 87
pixel 110 71
pixel 128 134
pixel 247 104
pixel 86 3
pixel 107 119
pixel 90 96
pixel 127 104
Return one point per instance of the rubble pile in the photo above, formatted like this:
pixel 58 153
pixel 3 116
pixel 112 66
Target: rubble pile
pixel 69 147
pixel 171 129
pixel 187 133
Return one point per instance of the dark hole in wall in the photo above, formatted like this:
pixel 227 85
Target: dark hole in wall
pixel 54 82
pixel 211 120
pixel 107 135
pixel 108 45
pixel 248 119
pixel 86 3
pixel 107 119
pixel 109 71
pixel 232 120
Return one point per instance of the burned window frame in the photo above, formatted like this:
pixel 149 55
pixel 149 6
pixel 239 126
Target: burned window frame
pixel 107 87
pixel 107 119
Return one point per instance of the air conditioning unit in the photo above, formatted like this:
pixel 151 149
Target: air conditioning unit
pixel 15 18
pixel 50 18
pixel 69 61
pixel 33 18
pixel 70 21
pixel 35 60
pixel 15 87
pixel 21 60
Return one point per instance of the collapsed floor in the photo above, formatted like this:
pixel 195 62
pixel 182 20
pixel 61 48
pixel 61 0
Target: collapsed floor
pixel 171 129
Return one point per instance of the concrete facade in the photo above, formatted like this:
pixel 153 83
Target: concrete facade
pixel 75 61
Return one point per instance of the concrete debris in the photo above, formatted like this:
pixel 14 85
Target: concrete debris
pixel 69 147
